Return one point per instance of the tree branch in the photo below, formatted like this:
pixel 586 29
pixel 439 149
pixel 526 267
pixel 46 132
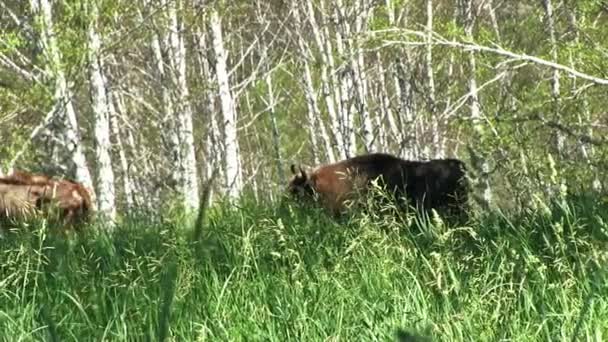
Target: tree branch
pixel 439 40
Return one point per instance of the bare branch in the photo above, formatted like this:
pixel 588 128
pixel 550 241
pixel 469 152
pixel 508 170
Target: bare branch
pixel 22 72
pixel 47 119
pixel 439 40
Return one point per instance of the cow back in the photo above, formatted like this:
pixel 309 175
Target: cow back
pixel 429 184
pixel 23 194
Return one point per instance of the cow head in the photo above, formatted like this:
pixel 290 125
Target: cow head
pixel 300 184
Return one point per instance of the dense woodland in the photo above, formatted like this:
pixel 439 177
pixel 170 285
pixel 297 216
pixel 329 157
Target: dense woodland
pixel 150 100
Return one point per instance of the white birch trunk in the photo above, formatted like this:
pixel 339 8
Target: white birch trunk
pixel 403 128
pixel 116 109
pixel 346 116
pixel 276 139
pixel 213 140
pixel 344 94
pixel 483 166
pixel 142 196
pixel 385 108
pixel 555 78
pixel 408 145
pixel 314 115
pixel 586 153
pixel 62 94
pixel 187 170
pixel 166 127
pixel 360 75
pixel 233 180
pixel 104 175
pixel 436 139
pixel 327 80
pixel 428 57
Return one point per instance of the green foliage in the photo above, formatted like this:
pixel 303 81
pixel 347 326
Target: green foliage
pixel 450 29
pixel 281 272
pixel 10 41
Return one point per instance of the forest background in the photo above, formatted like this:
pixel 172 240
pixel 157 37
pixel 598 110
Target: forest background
pixel 149 101
pixel 146 99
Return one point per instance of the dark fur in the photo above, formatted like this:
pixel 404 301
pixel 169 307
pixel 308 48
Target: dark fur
pixel 435 184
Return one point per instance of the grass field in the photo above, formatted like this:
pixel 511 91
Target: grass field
pixel 272 272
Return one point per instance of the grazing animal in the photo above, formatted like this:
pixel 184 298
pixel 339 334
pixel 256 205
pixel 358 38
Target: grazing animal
pixel 23 195
pixel 27 177
pixel 434 184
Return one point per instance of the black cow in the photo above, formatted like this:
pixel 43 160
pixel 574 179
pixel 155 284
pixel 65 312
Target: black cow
pixel 435 184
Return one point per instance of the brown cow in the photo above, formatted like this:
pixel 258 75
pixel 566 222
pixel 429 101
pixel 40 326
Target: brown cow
pixel 27 177
pixel 434 184
pixel 24 195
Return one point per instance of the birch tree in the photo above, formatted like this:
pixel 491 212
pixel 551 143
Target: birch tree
pixel 186 168
pixel 480 161
pixel 555 77
pixel 127 182
pixel 401 80
pixel 361 11
pixel 586 152
pixel 169 56
pixel 313 114
pixel 344 93
pixel 213 142
pixel 232 168
pixel 329 85
pixel 64 113
pixel 276 139
pixel 162 83
pixel 101 105
pixel 430 78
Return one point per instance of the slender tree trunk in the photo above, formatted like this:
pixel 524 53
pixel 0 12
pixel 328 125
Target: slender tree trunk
pixel 66 114
pixel 117 109
pixel 314 118
pixel 555 78
pixel 504 82
pixel 104 175
pixel 345 93
pixel 408 145
pixel 405 134
pixel 361 12
pixel 213 140
pixel 586 153
pixel 436 138
pixel 142 196
pixel 329 87
pixel 346 112
pixel 555 93
pixel 186 169
pixel 428 57
pixel 233 181
pixel 314 115
pixel 481 162
pixel 167 126
pixel 385 104
pixel 276 143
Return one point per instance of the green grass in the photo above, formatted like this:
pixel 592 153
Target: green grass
pixel 276 272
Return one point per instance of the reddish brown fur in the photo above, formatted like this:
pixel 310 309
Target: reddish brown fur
pixel 431 184
pixel 24 194
pixel 28 178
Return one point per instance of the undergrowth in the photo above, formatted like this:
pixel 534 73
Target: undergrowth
pixel 281 272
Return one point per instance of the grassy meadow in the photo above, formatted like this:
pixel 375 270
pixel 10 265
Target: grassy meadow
pixel 259 271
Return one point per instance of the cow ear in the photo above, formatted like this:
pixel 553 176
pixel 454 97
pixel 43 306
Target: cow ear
pixel 293 169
